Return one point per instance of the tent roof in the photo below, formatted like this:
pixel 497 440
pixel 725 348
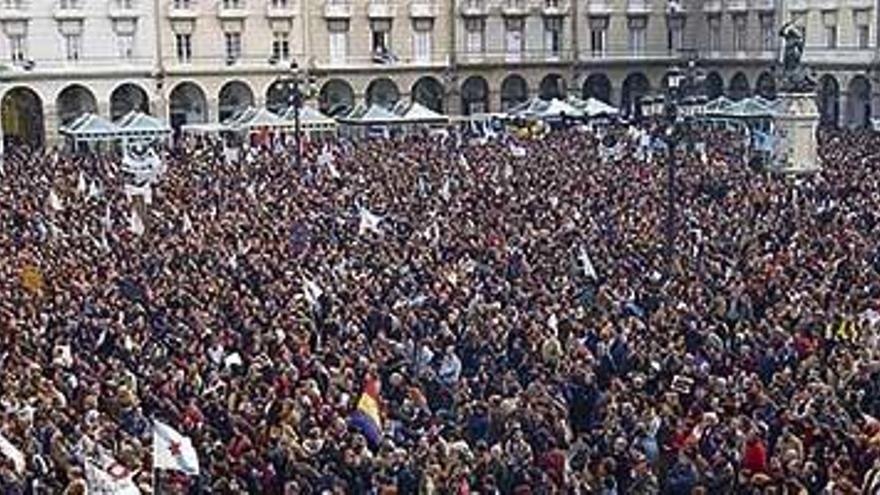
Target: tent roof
pixel 256 117
pixel 718 104
pixel 747 107
pixel 90 124
pixel 542 108
pixel 373 114
pixel 420 113
pixel 136 121
pixel 592 107
pixel 308 114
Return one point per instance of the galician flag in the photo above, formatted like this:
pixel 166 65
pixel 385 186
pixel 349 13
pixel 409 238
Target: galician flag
pixel 173 451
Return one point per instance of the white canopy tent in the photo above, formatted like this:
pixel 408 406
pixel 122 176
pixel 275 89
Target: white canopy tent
pixel 537 108
pixel 416 113
pixel 90 128
pixel 591 107
pixel 139 127
pixel 311 121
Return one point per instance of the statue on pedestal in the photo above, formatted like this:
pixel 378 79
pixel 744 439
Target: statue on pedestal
pixel 795 78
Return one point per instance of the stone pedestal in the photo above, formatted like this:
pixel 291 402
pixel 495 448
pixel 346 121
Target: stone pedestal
pixel 796 121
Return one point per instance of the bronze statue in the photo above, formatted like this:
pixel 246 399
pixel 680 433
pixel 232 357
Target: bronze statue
pixel 795 78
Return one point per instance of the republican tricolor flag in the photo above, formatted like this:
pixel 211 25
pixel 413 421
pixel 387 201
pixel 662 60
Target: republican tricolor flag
pixel 366 417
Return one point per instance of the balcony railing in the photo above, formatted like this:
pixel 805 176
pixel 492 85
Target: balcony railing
pixel 638 6
pixel 232 9
pixel 599 7
pixel 736 5
pixel 281 10
pixel 183 9
pixel 515 8
pixel 421 9
pixel 69 9
pixel 474 8
pixel 14 10
pixel 337 9
pixel 371 63
pixel 522 57
pixel 380 9
pixel 124 9
pixel 763 5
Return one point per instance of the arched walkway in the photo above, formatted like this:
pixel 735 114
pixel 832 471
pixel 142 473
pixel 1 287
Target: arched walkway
pixel 234 96
pixel 739 87
pixel 474 96
pixel 714 85
pixel 126 98
pixel 858 102
pixel 514 91
pixel 635 86
pixel 829 100
pixel 552 86
pixel 597 86
pixel 73 101
pixel 766 86
pixel 429 92
pixel 23 117
pixel 336 97
pixel 383 92
pixel 277 97
pixel 187 105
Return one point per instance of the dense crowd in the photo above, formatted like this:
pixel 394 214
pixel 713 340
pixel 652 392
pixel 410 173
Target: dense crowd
pixel 530 332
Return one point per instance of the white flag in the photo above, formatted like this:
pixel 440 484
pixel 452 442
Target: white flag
pixel 445 191
pixel 517 151
pixel 117 480
pixel 312 291
pixel 173 451
pixel 12 452
pixel 54 201
pixel 145 191
pixel 589 270
pixel 369 222
pixel 94 190
pixel 187 224
pixel 81 183
pixel 135 224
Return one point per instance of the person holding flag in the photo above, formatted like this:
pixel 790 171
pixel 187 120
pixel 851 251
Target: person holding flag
pixel 366 418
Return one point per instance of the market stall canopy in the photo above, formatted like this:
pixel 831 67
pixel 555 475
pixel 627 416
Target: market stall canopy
pixel 718 104
pixel 543 109
pixel 309 115
pixel 372 115
pixel 256 118
pixel 591 107
pixel 754 107
pixel 140 125
pixel 90 127
pixel 418 113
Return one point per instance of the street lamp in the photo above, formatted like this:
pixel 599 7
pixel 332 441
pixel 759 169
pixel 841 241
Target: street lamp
pixel 676 108
pixel 296 96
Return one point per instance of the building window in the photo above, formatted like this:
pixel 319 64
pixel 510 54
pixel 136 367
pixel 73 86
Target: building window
pixel 338 29
pixel 514 39
pixel 740 32
pixel 233 4
pixel 862 22
pixel 280 46
pixel 125 45
pixel 768 32
pixel 553 36
pixel 551 4
pixel 279 4
pixel 124 4
pixel 714 21
pixel 233 46
pixel 183 4
pixel 474 29
pixel 829 21
pixel 675 33
pixel 381 40
pixel 422 29
pixel 637 34
pixel 598 34
pixel 69 4
pixel 72 46
pixel 183 44
pixel 17 48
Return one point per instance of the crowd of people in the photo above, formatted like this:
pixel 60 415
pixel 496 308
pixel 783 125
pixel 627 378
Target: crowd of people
pixel 528 328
